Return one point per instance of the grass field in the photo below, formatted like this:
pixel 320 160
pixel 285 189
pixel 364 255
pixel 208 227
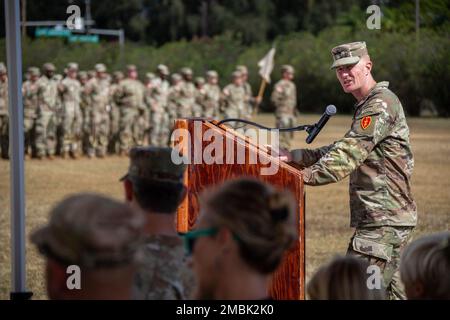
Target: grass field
pixel 327 210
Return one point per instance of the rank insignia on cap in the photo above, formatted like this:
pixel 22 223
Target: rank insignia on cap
pixel 365 122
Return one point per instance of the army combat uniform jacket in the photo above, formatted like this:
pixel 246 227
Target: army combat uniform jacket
pixel 376 153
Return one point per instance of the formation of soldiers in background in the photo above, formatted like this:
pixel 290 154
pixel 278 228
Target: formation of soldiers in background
pixel 95 113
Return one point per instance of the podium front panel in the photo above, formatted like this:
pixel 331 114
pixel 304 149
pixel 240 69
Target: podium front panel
pixel 288 282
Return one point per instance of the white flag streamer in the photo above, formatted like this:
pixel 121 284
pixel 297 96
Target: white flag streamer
pixel 266 65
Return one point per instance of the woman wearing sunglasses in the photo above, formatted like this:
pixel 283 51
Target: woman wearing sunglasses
pixel 243 231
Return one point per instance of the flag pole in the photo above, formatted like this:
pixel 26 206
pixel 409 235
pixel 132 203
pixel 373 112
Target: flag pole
pixel 266 67
pixel 14 61
pixel 262 87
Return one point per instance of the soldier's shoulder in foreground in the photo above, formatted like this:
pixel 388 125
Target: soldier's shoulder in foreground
pixel 163 272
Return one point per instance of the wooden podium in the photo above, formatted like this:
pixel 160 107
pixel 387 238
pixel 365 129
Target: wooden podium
pixel 288 281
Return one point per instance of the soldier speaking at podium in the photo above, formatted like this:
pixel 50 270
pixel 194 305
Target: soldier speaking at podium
pixel 376 153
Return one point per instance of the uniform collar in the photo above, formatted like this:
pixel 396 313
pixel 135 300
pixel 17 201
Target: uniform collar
pixel 375 89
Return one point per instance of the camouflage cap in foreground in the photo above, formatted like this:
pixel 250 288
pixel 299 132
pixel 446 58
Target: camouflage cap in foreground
pixel 91 231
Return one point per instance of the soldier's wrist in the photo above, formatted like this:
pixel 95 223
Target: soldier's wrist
pixel 297 155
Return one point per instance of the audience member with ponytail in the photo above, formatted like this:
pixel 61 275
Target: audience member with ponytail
pixel 244 229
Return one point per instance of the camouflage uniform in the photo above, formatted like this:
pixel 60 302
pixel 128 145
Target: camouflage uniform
pixel 46 116
pixel 4 119
pixel 233 102
pixel 130 98
pixel 174 97
pixel 70 90
pixel 212 96
pixel 160 120
pixel 247 110
pixel 115 112
pixel 187 95
pixel 163 273
pixel 84 106
pixel 376 153
pixel 98 113
pixel 30 92
pixel 200 97
pixel 284 97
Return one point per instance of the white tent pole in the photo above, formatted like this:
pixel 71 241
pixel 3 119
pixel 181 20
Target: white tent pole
pixel 14 62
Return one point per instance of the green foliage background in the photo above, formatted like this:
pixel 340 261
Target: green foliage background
pixel 242 31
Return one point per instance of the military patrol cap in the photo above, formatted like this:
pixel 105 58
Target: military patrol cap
pixel 91 231
pixel 150 76
pixel 72 66
pixel 49 67
pixel 154 163
pixel 91 73
pixel 186 71
pixel 212 74
pixel 176 77
pixel 348 53
pixel 34 71
pixel 236 74
pixel 163 69
pixel 287 68
pixel 243 69
pixel 131 67
pixel 199 80
pixel 82 75
pixel 118 75
pixel 100 67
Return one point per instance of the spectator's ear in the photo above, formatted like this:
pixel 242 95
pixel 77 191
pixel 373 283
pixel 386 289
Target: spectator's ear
pixel 225 239
pixel 128 188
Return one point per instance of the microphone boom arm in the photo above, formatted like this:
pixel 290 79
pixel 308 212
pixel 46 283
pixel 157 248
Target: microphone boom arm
pixel 306 128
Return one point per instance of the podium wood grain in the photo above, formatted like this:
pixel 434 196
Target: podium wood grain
pixel 288 281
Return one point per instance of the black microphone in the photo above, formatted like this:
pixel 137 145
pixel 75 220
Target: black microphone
pixel 329 112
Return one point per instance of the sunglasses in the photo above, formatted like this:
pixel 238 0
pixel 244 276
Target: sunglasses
pixel 191 237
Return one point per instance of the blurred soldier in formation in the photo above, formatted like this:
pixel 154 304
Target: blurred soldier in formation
pixel 212 95
pixel 98 112
pixel 200 97
pixel 130 98
pixel 284 97
pixel 46 117
pixel 4 119
pixel 70 89
pixel 115 112
pixel 250 101
pixel 174 99
pixel 91 74
pixel 160 119
pixel 187 98
pixel 59 114
pixel 234 98
pixel 149 100
pixel 30 90
pixel 84 103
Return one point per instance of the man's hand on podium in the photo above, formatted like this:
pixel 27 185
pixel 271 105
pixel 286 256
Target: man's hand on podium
pixel 283 154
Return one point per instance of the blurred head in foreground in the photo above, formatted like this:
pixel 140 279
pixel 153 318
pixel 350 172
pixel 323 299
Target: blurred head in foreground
pixel 425 267
pixel 344 278
pixel 244 229
pixel 90 245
